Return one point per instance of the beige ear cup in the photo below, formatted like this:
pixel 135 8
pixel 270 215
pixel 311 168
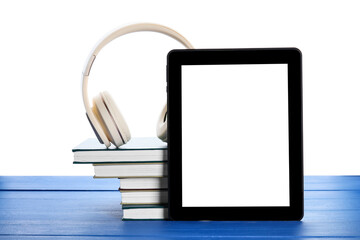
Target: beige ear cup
pixel 119 120
pixel 110 119
pixel 161 128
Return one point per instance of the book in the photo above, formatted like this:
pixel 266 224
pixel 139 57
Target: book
pixel 144 183
pixel 144 196
pixel 128 170
pixel 136 150
pixel 145 212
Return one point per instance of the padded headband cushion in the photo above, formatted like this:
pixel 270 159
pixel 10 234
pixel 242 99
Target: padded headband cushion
pixel 119 120
pixel 106 121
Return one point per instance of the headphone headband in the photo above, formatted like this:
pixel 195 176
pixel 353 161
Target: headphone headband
pixel 140 27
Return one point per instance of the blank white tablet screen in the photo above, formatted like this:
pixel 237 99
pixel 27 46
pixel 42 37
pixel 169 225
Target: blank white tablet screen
pixel 235 147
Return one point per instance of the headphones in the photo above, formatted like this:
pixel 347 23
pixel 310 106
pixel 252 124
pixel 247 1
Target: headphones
pixel 104 116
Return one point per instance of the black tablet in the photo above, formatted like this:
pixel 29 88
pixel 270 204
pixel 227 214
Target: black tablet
pixel 235 134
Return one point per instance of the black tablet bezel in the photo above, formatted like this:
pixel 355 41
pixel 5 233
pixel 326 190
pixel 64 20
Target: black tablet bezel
pixel 290 56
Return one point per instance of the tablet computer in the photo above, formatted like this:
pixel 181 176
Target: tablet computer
pixel 235 134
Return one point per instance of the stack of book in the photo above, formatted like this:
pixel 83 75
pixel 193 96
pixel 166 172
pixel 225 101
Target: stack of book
pixel 141 166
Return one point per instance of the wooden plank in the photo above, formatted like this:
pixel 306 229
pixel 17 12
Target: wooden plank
pixel 326 183
pixel 57 213
pixel 83 183
pixel 71 183
pixel 168 229
pixel 331 194
pixel 24 237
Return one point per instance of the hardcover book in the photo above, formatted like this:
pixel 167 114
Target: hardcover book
pixel 136 150
pixel 145 212
pixel 144 183
pixel 129 170
pixel 144 196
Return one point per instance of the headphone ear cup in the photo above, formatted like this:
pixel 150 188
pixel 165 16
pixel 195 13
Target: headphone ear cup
pixel 106 121
pixel 161 128
pixel 119 120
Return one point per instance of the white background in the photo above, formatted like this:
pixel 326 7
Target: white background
pixel 44 45
pixel 239 115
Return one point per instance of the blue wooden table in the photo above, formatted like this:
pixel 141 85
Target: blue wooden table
pixel 87 208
